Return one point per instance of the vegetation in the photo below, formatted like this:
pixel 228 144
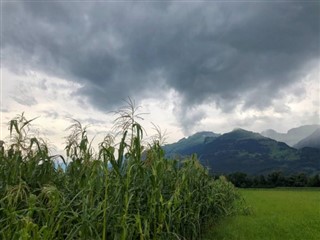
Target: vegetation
pixel 291 213
pixel 123 191
pixel 274 179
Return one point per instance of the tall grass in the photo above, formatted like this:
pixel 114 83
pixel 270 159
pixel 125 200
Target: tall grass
pixel 124 191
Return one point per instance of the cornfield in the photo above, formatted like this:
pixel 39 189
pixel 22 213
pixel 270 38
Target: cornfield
pixel 123 191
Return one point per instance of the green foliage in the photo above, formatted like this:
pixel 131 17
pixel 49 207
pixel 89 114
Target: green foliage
pixel 274 179
pixel 115 193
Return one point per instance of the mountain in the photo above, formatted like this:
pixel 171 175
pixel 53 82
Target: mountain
pixel 293 136
pixel 252 153
pixel 311 141
pixel 185 145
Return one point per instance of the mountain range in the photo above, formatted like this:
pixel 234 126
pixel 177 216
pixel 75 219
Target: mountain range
pixel 249 152
pixel 293 136
pixel 311 141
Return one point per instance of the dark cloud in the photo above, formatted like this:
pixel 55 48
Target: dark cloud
pixel 222 53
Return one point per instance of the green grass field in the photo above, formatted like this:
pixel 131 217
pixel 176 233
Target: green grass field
pixel 276 214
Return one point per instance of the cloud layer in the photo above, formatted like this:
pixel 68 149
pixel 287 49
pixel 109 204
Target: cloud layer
pixel 222 54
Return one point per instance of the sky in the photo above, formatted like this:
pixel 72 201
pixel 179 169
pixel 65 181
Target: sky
pixel 190 65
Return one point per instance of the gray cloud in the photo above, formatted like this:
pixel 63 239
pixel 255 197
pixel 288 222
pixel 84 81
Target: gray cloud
pixel 25 100
pixel 189 118
pixel 92 121
pixel 4 110
pixel 23 95
pixel 43 85
pixel 51 114
pixel 222 53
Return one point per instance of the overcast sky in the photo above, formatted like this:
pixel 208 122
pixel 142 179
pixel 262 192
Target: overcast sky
pixel 210 65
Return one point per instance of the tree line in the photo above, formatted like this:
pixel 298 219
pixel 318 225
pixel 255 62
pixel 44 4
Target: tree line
pixel 274 179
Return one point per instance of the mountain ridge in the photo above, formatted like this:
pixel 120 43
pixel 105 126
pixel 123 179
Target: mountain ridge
pixel 293 135
pixel 312 140
pixel 249 152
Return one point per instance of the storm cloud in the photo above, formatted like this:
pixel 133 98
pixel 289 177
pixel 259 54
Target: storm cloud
pixel 224 54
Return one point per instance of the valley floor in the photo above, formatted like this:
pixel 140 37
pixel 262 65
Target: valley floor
pixel 278 214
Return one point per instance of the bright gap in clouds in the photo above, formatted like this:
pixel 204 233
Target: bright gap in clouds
pixel 50 99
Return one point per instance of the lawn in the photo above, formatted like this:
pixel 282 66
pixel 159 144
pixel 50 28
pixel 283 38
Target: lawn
pixel 276 214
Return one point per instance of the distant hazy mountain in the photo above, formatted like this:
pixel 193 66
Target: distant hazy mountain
pixel 293 136
pixel 249 152
pixel 311 141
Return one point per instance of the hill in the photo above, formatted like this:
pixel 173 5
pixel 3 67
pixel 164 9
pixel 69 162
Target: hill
pixel 252 153
pixel 311 141
pixel 185 145
pixel 293 136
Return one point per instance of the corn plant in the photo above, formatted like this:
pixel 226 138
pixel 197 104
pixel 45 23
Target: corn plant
pixel 122 191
